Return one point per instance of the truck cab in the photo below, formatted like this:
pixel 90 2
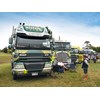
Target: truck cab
pixel 62 52
pixel 31 50
pixel 77 55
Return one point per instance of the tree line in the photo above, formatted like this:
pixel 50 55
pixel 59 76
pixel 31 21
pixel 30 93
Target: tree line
pixel 97 49
pixel 5 50
pixel 90 46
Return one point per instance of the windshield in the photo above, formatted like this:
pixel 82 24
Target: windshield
pixel 32 43
pixel 74 51
pixel 62 46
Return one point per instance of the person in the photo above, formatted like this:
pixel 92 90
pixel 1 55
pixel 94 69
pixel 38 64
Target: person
pixel 89 58
pixel 58 67
pixel 62 66
pixel 94 59
pixel 85 66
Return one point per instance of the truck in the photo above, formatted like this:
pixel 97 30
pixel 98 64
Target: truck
pixel 31 50
pixel 62 52
pixel 74 54
pixel 77 55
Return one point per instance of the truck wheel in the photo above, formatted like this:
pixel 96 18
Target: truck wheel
pixel 15 77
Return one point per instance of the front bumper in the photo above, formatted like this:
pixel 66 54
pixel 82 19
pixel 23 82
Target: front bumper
pixel 24 72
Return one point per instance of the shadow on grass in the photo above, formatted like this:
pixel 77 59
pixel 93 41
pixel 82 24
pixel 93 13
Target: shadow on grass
pixel 29 78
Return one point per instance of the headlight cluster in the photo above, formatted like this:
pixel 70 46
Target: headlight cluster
pixel 19 66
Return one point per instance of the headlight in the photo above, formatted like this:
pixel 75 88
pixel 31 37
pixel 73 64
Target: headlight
pixel 19 66
pixel 22 54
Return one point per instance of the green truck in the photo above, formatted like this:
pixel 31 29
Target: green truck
pixel 77 55
pixel 31 50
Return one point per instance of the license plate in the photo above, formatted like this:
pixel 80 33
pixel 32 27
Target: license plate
pixel 34 74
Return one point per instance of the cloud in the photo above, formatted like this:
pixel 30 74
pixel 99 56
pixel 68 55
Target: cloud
pixel 77 34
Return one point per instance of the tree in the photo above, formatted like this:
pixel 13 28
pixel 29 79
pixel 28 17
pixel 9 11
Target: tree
pixel 5 50
pixel 9 51
pixel 87 44
pixel 97 49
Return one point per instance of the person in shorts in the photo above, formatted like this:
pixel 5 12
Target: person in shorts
pixel 85 66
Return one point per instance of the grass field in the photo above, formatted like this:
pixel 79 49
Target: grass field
pixel 5 58
pixel 68 79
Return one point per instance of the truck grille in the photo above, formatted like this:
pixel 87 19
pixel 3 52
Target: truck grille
pixel 34 66
pixel 62 57
pixel 30 59
pixel 35 55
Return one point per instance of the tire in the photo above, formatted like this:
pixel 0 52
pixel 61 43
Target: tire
pixel 15 77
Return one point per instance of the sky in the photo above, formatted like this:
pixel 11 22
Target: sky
pixel 75 27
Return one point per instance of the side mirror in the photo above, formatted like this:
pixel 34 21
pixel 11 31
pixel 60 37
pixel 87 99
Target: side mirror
pixel 10 40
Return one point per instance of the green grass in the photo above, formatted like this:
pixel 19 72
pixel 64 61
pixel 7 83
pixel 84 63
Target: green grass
pixel 5 58
pixel 68 79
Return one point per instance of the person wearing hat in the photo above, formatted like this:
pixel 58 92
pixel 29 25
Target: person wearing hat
pixel 85 66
